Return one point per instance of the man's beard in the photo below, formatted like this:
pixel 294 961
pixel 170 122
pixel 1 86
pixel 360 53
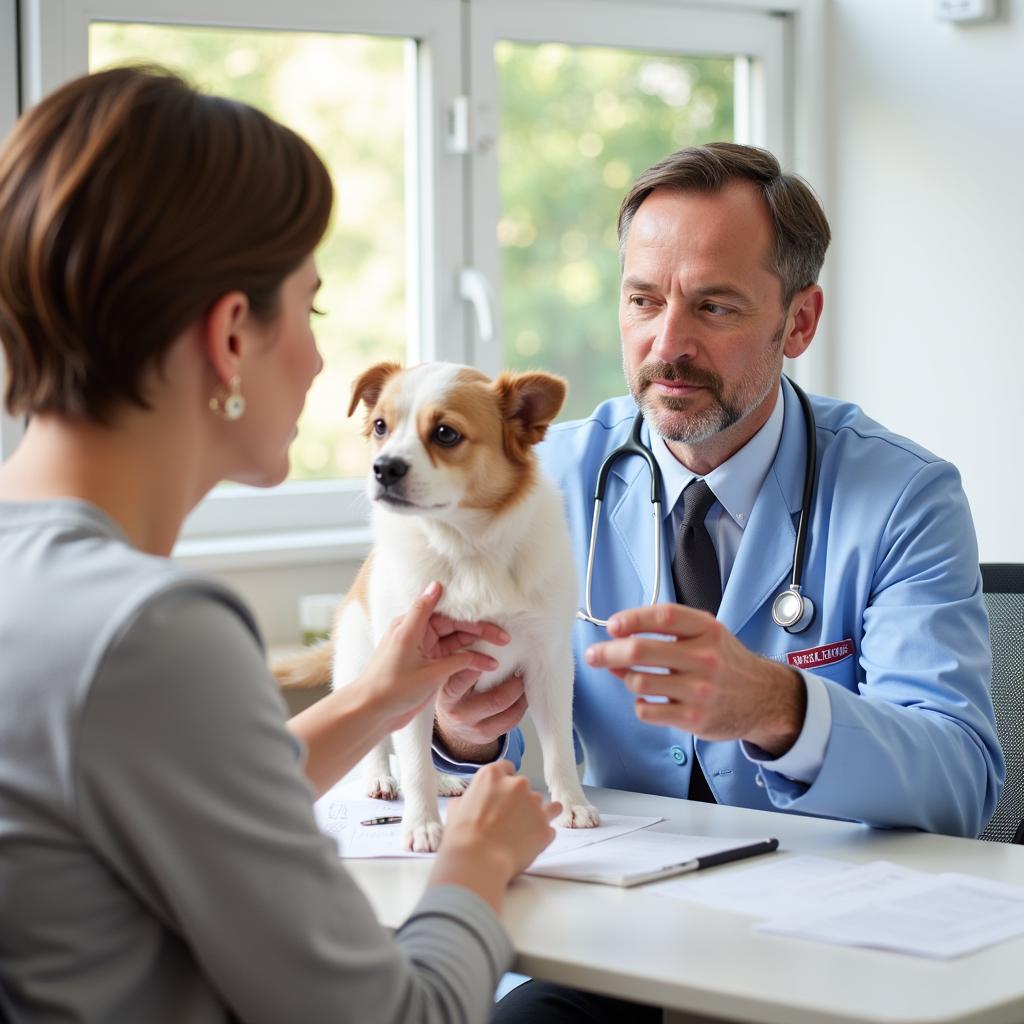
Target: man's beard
pixel 672 418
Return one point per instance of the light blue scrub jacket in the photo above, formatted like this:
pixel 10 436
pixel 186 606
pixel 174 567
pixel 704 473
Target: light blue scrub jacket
pixel 891 564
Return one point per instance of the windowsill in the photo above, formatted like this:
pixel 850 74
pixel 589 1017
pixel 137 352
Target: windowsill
pixel 273 549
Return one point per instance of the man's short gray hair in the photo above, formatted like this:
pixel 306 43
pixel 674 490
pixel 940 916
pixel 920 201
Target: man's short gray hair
pixel 801 229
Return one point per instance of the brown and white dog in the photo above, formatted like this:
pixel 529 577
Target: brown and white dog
pixel 458 496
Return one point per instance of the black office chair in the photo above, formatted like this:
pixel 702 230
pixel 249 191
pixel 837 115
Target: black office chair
pixel 1003 583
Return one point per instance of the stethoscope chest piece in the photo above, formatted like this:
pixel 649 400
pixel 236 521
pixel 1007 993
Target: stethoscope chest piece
pixel 792 611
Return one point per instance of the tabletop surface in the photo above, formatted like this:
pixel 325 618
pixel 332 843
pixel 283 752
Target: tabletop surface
pixel 683 956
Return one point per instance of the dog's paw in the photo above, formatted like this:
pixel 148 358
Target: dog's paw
pixel 579 815
pixel 451 785
pixel 424 837
pixel 382 787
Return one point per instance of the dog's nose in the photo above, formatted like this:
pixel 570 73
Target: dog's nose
pixel 389 470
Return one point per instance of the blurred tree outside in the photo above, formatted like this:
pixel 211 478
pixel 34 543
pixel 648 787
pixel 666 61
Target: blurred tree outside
pixel 578 124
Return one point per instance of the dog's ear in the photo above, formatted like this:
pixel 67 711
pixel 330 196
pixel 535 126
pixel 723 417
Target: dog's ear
pixel 368 386
pixel 530 401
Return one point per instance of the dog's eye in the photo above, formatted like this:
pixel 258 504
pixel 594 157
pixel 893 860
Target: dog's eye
pixel 446 436
pixel 380 428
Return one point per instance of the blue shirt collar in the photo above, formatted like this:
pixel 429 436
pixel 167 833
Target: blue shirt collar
pixel 737 481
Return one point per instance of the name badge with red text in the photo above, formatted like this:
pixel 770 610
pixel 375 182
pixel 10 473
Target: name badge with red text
pixel 819 657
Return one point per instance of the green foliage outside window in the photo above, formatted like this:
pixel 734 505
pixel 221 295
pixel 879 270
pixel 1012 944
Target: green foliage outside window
pixel 577 125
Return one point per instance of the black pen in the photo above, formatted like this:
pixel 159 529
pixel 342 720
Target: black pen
pixel 709 860
pixel 725 856
pixel 392 819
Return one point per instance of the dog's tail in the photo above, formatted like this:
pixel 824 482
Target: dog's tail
pixel 310 668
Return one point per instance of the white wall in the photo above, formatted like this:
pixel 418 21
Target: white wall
pixel 927 272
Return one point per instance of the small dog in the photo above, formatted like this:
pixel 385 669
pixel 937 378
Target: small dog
pixel 458 496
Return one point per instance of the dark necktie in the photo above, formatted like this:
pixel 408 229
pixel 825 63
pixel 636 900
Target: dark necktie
pixel 698 584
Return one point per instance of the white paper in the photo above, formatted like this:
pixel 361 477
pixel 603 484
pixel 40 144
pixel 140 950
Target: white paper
pixel 933 915
pixel 762 887
pixel 339 814
pixel 612 828
pixel 619 860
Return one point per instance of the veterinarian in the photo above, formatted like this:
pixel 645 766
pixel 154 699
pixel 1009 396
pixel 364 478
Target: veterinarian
pixel 877 710
pixel 863 694
pixel 159 857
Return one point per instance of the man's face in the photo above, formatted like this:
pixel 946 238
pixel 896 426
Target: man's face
pixel 701 316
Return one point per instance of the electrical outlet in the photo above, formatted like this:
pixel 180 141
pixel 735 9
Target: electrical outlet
pixel 965 10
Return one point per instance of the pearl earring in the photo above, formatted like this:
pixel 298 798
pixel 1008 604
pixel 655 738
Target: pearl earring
pixel 232 406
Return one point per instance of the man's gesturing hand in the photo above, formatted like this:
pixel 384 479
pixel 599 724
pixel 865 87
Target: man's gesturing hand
pixel 715 687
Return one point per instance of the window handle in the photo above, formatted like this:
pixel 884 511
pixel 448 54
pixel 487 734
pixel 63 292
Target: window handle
pixel 476 289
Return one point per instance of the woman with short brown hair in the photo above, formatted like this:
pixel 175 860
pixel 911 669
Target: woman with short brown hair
pixel 159 858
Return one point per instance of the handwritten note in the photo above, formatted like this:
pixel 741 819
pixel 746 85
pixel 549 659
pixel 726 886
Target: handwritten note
pixel 339 813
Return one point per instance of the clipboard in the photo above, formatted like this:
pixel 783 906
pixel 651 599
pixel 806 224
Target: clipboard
pixel 645 857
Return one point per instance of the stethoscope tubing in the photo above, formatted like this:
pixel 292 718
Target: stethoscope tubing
pixel 633 446
pixel 803 608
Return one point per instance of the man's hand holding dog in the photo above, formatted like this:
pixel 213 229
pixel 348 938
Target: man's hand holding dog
pixel 470 724
pixel 715 687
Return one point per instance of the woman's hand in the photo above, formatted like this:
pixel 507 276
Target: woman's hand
pixel 421 652
pixel 493 831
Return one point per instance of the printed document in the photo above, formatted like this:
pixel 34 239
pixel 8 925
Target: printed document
pixel 933 915
pixel 763 888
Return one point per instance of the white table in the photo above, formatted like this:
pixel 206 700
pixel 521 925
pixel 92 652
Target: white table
pixel 702 963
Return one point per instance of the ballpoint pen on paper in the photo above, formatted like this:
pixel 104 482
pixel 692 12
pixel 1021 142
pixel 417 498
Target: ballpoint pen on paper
pixel 627 871
pixel 725 856
pixel 391 819
pixel 709 860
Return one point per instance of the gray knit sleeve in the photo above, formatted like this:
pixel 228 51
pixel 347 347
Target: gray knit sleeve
pixel 188 785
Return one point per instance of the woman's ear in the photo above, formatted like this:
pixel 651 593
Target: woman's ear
pixel 225 340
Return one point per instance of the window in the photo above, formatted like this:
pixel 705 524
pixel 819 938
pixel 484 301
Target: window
pixel 480 149
pixel 317 82
pixel 571 102
pixel 607 115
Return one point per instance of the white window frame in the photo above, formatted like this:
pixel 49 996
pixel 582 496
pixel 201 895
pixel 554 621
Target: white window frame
pixel 11 428
pixel 453 200
pixel 787 51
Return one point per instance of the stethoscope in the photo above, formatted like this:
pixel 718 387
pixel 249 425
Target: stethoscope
pixel 791 609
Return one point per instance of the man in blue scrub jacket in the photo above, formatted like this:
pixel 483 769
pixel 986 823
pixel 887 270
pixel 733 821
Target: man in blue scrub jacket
pixel 880 710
